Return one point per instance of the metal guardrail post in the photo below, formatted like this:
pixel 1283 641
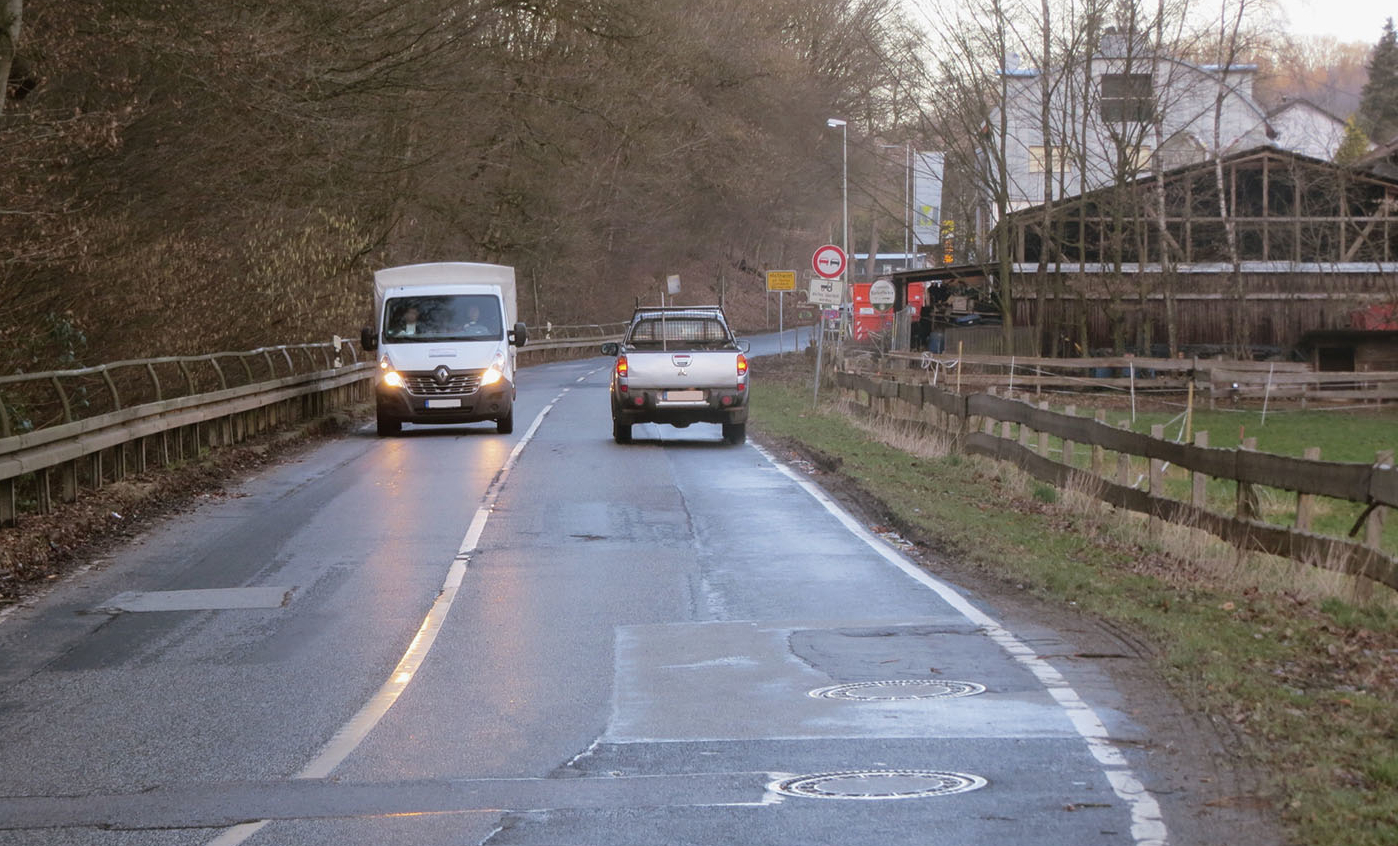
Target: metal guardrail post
pixel 111 386
pixel 154 380
pixel 63 398
pixel 188 377
pixel 222 380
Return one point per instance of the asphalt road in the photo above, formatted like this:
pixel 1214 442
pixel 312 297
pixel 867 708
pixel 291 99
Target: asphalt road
pixel 457 637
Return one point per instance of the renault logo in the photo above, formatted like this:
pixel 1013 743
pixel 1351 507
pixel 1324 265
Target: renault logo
pixel 442 374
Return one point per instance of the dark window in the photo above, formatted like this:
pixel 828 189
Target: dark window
pixel 1127 97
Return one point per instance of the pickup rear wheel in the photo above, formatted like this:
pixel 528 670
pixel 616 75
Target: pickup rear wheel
pixel 735 433
pixel 621 432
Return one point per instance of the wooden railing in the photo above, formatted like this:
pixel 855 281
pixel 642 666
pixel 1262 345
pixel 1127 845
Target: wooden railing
pixel 1019 432
pixel 1215 380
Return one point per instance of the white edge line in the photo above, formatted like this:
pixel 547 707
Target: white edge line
pixel 1147 824
pixel 353 732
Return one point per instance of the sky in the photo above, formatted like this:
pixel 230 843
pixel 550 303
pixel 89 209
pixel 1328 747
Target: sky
pixel 1347 20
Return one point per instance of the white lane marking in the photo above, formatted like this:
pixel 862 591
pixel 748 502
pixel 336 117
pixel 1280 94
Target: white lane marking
pixel 1147 824
pixel 353 732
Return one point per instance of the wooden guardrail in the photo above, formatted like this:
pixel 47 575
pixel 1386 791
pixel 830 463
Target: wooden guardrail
pixel 97 423
pixel 1022 438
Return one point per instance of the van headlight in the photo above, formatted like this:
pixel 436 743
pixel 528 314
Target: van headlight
pixel 391 377
pixel 495 372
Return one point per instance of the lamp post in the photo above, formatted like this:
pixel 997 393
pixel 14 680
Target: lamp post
pixel 844 189
pixel 844 245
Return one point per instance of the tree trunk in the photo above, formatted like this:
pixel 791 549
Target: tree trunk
pixel 10 19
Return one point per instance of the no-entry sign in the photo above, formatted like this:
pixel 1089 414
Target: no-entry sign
pixel 828 261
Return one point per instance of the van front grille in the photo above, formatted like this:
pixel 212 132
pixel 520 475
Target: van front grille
pixel 457 382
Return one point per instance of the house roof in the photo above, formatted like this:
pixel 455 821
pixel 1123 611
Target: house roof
pixel 1291 103
pixel 1261 150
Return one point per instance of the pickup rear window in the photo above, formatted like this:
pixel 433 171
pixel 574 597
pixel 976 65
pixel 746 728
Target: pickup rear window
pixel 691 332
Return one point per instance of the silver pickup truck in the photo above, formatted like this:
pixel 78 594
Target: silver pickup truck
pixel 679 365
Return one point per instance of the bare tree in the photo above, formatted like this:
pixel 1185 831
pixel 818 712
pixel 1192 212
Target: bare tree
pixel 11 18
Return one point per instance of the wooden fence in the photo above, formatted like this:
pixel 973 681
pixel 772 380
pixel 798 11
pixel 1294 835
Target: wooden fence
pixel 1217 380
pixel 1018 432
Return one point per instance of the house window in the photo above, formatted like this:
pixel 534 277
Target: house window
pixel 1127 97
pixel 1060 160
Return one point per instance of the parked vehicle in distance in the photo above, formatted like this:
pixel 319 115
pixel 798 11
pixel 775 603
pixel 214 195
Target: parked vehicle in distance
pixel 679 365
pixel 446 335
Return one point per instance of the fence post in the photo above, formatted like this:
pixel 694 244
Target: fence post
pixel 1123 460
pixel 1247 496
pixel 1305 503
pixel 1373 528
pixel 96 469
pixel 68 481
pixel 1198 496
pixel 43 491
pixel 1070 411
pixel 1098 453
pixel 1043 436
pixel 1157 467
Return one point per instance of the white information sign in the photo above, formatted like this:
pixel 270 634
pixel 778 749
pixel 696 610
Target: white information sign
pixel 881 294
pixel 826 292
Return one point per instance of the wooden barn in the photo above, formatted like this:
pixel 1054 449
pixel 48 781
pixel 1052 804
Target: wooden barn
pixel 1291 245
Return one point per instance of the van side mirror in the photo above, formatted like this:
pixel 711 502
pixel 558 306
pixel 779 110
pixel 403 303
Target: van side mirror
pixel 368 339
pixel 519 335
pixel 610 348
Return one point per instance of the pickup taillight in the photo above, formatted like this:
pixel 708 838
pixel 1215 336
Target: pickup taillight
pixel 742 365
pixel 621 369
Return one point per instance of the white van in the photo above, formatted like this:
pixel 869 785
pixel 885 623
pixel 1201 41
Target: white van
pixel 445 334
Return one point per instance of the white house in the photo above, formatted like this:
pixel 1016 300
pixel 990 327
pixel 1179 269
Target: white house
pixel 1305 128
pixel 1123 113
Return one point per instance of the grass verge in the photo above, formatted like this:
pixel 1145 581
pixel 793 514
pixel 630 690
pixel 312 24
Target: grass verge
pixel 1307 677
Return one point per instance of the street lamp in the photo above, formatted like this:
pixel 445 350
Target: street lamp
pixel 844 187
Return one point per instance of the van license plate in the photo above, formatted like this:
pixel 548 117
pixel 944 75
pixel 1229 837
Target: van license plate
pixel 444 403
pixel 684 396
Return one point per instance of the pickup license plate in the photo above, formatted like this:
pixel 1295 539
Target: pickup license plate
pixel 683 396
pixel 444 403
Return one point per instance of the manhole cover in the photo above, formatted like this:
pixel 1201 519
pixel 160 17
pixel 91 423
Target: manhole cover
pixel 876 691
pixel 879 784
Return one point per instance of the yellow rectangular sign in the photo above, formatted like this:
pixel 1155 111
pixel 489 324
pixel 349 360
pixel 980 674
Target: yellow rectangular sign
pixel 781 280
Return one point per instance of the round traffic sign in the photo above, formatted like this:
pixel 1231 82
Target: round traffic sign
pixel 881 294
pixel 829 261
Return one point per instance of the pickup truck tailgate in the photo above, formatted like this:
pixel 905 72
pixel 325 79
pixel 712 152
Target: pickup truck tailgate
pixel 695 369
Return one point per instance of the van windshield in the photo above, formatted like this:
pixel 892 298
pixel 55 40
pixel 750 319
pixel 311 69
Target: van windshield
pixel 443 317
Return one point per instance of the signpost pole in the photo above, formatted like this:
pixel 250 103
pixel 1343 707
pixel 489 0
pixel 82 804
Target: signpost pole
pixel 781 321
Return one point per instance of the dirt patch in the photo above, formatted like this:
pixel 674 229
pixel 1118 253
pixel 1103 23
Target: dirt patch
pixel 41 548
